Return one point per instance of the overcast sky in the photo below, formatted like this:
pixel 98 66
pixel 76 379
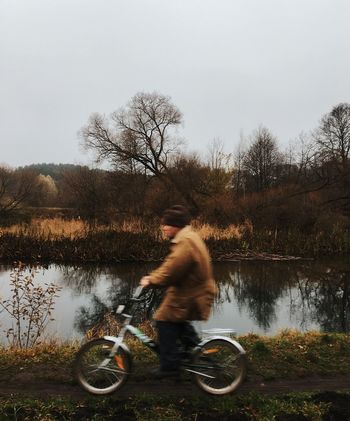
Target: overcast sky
pixel 229 66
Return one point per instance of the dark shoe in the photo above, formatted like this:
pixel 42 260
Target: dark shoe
pixel 163 374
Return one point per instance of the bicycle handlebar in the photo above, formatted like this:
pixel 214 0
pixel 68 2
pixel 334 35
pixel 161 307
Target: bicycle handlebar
pixel 135 298
pixel 138 292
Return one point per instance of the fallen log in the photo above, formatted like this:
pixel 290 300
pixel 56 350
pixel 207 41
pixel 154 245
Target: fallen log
pixel 238 255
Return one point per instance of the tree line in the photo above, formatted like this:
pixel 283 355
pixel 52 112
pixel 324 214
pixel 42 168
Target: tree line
pixel 305 186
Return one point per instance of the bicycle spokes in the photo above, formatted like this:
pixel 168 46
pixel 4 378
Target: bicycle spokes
pixel 219 366
pixel 99 370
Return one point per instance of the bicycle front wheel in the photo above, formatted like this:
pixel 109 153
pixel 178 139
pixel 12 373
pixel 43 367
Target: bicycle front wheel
pixel 99 373
pixel 219 366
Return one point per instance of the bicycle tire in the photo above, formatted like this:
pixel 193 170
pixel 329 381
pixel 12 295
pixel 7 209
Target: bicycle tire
pixel 219 366
pixel 96 378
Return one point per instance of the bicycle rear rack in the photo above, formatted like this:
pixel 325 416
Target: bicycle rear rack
pixel 219 331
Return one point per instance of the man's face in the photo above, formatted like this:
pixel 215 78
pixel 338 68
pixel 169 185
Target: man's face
pixel 169 231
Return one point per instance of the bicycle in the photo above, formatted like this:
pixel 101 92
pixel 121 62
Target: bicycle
pixel 102 366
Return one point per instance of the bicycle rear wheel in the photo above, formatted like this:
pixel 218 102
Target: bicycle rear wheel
pixel 96 371
pixel 219 366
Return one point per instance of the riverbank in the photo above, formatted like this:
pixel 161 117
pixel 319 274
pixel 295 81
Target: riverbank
pixel 290 376
pixel 288 355
pixel 73 242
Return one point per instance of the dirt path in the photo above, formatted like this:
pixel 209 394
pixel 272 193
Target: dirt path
pixel 45 389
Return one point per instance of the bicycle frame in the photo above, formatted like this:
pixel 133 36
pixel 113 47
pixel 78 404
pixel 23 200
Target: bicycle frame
pixel 128 327
pixel 149 343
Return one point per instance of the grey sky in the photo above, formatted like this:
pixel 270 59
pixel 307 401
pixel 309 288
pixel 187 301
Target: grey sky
pixel 229 65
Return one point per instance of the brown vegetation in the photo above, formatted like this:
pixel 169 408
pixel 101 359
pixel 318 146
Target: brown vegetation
pixel 76 241
pixel 260 198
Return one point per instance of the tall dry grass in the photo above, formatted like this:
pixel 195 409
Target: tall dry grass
pixel 207 231
pixel 40 227
pixel 77 228
pixel 72 228
pixel 60 240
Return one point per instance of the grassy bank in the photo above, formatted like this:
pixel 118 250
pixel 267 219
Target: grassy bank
pixel 300 406
pixel 289 355
pixel 74 241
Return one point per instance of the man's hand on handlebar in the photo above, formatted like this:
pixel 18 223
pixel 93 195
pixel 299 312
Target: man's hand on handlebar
pixel 145 281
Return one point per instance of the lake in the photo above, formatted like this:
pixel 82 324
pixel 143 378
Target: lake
pixel 254 297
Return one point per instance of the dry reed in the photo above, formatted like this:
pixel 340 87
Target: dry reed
pixel 46 227
pixel 207 231
pixel 77 228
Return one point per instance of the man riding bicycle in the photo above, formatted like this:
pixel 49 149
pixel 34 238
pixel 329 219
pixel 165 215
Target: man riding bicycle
pixel 190 288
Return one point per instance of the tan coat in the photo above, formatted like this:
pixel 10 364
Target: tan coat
pixel 187 274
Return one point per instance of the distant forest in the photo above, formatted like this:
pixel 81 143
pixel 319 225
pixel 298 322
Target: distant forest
pixel 306 186
pixel 55 171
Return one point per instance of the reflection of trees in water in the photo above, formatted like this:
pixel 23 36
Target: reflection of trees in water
pixel 326 290
pixel 318 292
pixel 225 276
pixel 123 280
pixel 5 268
pixel 87 317
pixel 83 279
pixel 257 286
pixel 332 304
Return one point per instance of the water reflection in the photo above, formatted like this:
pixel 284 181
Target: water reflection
pixel 256 287
pixel 311 294
pixel 89 316
pixel 325 290
pixel 259 297
pixel 121 280
pixel 83 280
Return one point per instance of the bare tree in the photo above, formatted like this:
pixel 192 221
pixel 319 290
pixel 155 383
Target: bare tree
pixel 16 188
pixel 88 191
pixel 140 132
pixel 220 168
pixel 333 136
pixel 303 151
pixel 238 176
pixel 128 191
pixel 332 157
pixel 262 159
pixel 189 173
pixel 217 158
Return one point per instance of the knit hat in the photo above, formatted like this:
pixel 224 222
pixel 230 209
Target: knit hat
pixel 176 216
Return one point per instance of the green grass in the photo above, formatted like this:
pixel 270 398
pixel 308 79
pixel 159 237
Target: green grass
pixel 292 354
pixel 288 355
pixel 303 406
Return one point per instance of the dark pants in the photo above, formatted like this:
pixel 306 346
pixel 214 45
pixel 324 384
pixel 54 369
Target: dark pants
pixel 172 338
